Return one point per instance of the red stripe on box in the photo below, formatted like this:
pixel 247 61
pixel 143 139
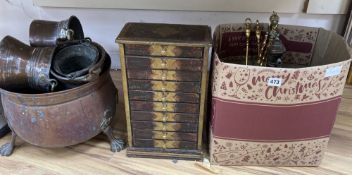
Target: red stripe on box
pixel 247 121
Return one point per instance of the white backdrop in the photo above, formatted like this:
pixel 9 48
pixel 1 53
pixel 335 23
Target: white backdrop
pixel 103 25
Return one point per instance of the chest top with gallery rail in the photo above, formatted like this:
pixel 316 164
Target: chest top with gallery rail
pixel 164 71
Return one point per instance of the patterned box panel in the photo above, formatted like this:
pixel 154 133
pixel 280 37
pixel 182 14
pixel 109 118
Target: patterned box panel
pixel 258 122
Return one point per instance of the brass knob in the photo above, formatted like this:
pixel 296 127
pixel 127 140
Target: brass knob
pixel 164 106
pixel 164 145
pixel 163 89
pixel 163 64
pixel 163 75
pixel 165 135
pixel 163 51
pixel 165 117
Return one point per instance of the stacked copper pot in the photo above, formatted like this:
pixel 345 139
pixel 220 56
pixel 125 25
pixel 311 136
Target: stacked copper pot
pixel 58 91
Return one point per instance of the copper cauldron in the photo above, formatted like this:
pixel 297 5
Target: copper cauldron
pixel 62 118
pixel 23 67
pixel 50 33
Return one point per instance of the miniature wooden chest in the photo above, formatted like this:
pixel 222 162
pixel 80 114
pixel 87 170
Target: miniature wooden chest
pixel 164 71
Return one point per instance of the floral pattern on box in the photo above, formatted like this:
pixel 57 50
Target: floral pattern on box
pixel 250 83
pixel 292 153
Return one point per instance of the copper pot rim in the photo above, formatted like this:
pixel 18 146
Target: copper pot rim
pixel 93 71
pixel 37 40
pixel 81 90
pixel 89 46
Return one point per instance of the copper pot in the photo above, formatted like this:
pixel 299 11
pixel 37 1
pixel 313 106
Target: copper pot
pixel 63 118
pixel 25 67
pixel 78 63
pixel 49 33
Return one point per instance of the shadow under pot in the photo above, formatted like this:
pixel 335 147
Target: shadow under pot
pixel 50 33
pixel 77 64
pixel 25 67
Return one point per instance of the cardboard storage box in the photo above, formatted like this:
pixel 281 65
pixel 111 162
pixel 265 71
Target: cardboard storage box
pixel 285 124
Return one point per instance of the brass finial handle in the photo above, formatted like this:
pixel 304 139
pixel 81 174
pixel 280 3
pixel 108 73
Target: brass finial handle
pixel 258 36
pixel 248 23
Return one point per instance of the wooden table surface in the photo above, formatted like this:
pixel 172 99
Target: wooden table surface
pixel 94 156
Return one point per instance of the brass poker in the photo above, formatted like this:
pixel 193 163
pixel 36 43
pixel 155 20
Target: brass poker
pixel 248 34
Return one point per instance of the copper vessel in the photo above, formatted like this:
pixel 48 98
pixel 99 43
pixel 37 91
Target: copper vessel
pixel 62 118
pixel 23 67
pixel 49 33
pixel 78 63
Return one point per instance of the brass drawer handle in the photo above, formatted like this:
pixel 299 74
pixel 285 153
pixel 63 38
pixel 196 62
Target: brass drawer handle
pixel 164 75
pixel 163 63
pixel 164 145
pixel 164 107
pixel 164 97
pixel 165 135
pixel 164 85
pixel 165 117
pixel 163 51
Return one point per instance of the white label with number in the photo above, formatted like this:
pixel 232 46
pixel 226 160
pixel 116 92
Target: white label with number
pixel 274 82
pixel 332 71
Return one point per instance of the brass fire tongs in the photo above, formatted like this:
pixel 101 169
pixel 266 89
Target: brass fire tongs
pixel 262 53
pixel 260 47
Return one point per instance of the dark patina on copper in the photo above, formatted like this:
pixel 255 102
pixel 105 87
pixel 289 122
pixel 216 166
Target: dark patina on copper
pixel 22 66
pixel 62 118
pixel 49 33
pixel 78 63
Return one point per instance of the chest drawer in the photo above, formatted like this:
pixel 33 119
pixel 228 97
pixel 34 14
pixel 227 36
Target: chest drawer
pixel 187 64
pixel 164 107
pixel 163 126
pixel 163 116
pixel 165 144
pixel 147 85
pixel 163 96
pixel 164 75
pixel 163 50
pixel 160 135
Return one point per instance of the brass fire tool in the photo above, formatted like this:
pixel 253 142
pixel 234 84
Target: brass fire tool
pixel 261 57
pixel 272 49
pixel 248 34
pixel 258 37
